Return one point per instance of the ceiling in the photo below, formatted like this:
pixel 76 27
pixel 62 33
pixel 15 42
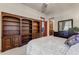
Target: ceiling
pixel 52 7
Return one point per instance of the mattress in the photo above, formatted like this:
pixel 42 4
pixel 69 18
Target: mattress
pixel 49 45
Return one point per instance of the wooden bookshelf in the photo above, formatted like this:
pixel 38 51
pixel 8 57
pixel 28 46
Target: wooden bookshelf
pixel 35 29
pixel 18 30
pixel 11 32
pixel 26 31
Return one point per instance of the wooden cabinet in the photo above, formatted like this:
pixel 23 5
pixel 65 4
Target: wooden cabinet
pixel 51 32
pixel 18 30
pixel 10 31
pixel 6 43
pixel 26 31
pixel 35 29
pixel 10 42
pixel 16 40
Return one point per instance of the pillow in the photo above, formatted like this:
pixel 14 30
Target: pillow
pixel 77 38
pixel 73 50
pixel 72 40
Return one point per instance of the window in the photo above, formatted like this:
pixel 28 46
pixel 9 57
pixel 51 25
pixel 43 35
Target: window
pixel 65 25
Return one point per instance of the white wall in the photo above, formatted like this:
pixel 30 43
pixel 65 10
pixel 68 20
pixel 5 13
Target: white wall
pixel 19 9
pixel 69 14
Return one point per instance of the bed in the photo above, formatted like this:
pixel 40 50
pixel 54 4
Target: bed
pixel 74 50
pixel 49 45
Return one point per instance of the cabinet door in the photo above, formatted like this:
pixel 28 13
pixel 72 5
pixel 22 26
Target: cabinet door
pixel 16 41
pixel 35 35
pixel 51 32
pixel 25 39
pixel 6 43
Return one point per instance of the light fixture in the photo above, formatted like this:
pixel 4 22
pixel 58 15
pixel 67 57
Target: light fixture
pixel 44 7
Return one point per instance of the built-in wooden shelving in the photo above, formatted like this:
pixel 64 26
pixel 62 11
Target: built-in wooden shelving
pixel 35 29
pixel 18 30
pixel 26 30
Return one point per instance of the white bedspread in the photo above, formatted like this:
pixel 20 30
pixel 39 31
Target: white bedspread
pixel 47 46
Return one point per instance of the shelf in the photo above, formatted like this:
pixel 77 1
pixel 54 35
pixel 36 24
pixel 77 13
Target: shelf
pixel 11 21
pixel 35 26
pixel 25 22
pixel 26 34
pixel 17 25
pixel 6 34
pixel 11 30
pixel 26 31
pixel 24 26
pixel 12 25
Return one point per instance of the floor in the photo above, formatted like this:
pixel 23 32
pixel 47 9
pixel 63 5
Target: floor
pixel 16 51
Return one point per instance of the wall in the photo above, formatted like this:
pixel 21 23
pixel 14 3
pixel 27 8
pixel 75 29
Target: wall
pixel 19 9
pixel 69 14
pixel 54 26
pixel 55 23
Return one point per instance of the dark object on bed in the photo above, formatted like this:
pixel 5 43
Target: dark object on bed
pixel 63 34
pixel 72 40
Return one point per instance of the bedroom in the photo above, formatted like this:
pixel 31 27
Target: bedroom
pixel 54 24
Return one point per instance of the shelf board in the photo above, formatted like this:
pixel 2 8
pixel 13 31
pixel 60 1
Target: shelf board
pixel 11 30
pixel 27 34
pixel 35 29
pixel 12 25
pixel 10 34
pixel 35 26
pixel 11 21
pixel 24 23
pixel 25 26
pixel 26 30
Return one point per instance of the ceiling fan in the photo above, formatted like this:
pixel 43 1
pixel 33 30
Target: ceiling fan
pixel 44 7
